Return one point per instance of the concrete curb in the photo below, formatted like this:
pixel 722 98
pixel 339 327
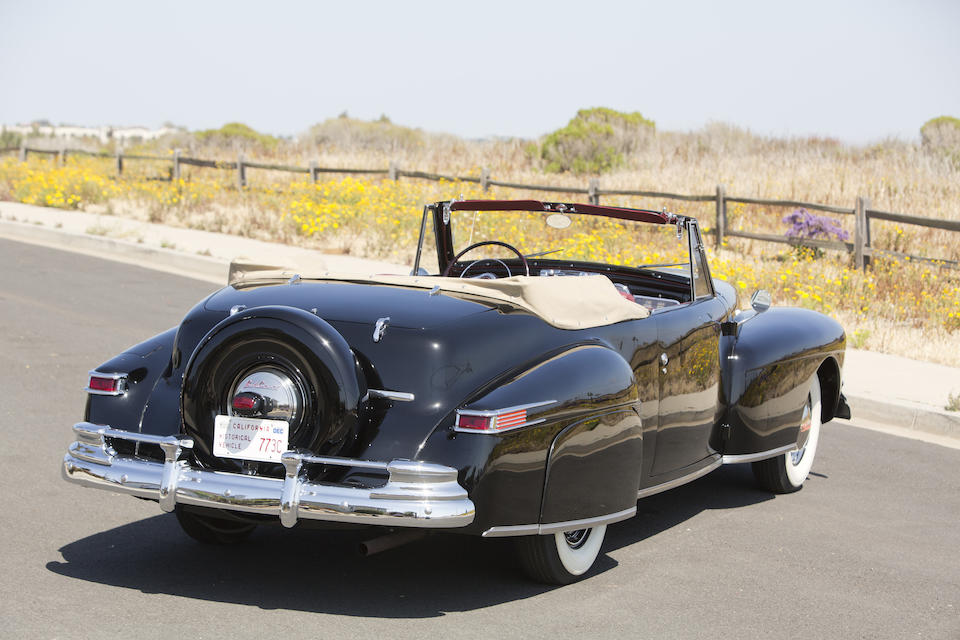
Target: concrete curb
pixel 168 260
pixel 908 415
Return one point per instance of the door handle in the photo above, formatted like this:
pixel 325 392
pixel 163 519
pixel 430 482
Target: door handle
pixel 663 362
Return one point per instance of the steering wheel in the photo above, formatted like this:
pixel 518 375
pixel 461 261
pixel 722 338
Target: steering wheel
pixel 523 259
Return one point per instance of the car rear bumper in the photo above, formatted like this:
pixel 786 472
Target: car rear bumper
pixel 416 494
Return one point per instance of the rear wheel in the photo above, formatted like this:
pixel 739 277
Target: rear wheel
pixel 560 558
pixel 787 473
pixel 212 530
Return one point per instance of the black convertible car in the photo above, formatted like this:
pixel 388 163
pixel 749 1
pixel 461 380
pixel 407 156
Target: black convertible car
pixel 534 381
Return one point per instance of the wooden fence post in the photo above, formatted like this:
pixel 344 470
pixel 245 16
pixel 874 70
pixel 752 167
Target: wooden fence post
pixel 392 171
pixel 859 233
pixel 592 196
pixel 313 171
pixel 23 150
pixel 866 233
pixel 62 154
pixel 119 161
pixel 241 173
pixel 176 165
pixel 485 179
pixel 721 227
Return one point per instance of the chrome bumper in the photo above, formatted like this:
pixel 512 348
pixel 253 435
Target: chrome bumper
pixel 417 494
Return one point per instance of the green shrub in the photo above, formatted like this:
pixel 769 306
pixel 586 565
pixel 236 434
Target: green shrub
pixel 594 141
pixel 233 132
pixel 941 133
pixel 346 133
pixel 9 139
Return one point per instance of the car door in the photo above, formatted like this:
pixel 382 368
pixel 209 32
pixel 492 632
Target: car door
pixel 689 339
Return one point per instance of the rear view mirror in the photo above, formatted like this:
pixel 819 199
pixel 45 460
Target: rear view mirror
pixel 761 300
pixel 558 221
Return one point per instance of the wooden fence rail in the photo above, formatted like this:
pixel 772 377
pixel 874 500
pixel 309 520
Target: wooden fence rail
pixel 860 247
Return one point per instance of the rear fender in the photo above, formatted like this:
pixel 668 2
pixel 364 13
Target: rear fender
pixel 144 364
pixel 581 457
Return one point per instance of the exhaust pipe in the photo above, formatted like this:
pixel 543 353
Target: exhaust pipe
pixel 389 541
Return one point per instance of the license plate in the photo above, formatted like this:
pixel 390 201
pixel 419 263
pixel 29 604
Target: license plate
pixel 249 438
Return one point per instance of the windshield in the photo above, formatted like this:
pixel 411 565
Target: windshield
pixel 568 237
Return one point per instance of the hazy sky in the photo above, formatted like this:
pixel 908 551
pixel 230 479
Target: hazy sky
pixel 858 71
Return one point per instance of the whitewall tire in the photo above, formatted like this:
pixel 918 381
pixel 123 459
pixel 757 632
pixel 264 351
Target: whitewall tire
pixel 561 558
pixel 788 472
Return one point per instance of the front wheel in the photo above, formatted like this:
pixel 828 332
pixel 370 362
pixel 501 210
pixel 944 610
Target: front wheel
pixel 560 558
pixel 787 473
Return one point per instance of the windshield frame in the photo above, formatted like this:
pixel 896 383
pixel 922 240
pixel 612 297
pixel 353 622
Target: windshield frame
pixel 440 212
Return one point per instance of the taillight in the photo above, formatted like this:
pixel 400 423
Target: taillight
pixel 477 423
pixel 107 384
pixel 497 420
pixel 245 403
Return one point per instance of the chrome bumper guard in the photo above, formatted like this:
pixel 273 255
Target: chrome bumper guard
pixel 417 494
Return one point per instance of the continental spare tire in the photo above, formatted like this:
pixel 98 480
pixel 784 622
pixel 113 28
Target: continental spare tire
pixel 275 363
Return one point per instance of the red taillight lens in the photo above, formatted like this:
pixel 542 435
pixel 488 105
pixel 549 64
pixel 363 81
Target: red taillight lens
pixel 480 423
pixel 111 385
pixel 244 403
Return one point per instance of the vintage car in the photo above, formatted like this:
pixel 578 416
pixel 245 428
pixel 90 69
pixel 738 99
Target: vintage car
pixel 536 388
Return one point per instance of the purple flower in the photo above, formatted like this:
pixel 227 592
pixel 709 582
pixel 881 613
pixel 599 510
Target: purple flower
pixel 804 224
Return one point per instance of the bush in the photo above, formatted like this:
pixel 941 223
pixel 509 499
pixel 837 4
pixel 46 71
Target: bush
pixel 941 133
pixel 594 141
pixel 234 132
pixel 350 134
pixel 9 139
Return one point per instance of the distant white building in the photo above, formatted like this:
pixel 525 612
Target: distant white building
pixel 103 134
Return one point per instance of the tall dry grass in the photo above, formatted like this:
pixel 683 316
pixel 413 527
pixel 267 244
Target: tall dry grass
pixel 902 308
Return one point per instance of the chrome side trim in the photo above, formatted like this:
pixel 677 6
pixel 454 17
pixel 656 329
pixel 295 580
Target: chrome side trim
pixel 399 396
pixel 558 527
pixel 690 477
pixel 121 383
pixel 754 457
pixel 512 530
pixel 416 494
pixel 573 525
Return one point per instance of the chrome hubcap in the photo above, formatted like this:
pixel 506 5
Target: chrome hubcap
pixel 806 422
pixel 275 395
pixel 576 539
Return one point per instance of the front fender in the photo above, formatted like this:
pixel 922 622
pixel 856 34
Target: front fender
pixel 766 371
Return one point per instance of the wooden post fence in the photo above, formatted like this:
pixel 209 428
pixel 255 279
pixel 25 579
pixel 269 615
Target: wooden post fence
pixel 861 247
pixel 241 173
pixel 859 233
pixel 721 214
pixel 593 195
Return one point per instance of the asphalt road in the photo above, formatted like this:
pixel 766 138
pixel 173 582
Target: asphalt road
pixel 868 549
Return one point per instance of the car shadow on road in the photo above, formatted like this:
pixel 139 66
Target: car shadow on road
pixel 320 571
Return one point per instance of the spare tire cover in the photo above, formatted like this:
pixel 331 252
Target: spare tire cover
pixel 293 343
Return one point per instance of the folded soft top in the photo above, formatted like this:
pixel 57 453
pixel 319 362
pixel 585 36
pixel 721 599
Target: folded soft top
pixel 565 302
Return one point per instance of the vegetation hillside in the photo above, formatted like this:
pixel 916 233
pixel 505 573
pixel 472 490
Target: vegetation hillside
pixel 906 307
